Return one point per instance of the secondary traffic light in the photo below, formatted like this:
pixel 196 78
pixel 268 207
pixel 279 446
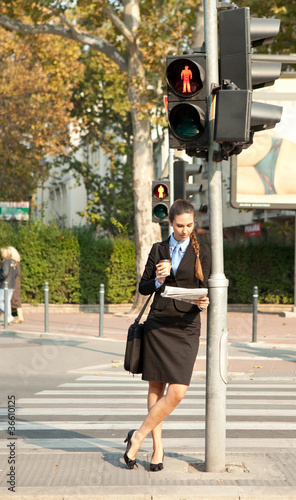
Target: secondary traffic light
pixel 182 188
pixel 187 103
pixel 160 201
pixel 237 116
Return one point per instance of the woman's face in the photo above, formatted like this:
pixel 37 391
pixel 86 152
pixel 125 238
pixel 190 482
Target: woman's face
pixel 182 226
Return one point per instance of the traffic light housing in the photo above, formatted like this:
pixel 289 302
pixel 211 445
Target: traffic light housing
pixel 187 103
pixel 160 201
pixel 237 115
pixel 183 189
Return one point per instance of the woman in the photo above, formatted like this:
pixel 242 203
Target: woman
pixel 8 272
pixel 172 329
pixel 16 300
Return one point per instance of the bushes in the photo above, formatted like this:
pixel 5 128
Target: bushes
pixel 108 261
pixel 268 265
pixel 74 262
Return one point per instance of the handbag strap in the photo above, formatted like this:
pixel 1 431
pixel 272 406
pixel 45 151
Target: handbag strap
pixel 143 308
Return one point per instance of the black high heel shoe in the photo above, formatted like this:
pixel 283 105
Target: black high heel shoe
pixel 157 467
pixel 129 462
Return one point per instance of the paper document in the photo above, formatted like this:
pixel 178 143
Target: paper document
pixel 184 294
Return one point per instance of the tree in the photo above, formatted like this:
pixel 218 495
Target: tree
pixel 102 110
pixel 135 36
pixel 34 109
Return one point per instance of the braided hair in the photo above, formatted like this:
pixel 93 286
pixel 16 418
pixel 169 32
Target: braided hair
pixel 180 207
pixel 198 268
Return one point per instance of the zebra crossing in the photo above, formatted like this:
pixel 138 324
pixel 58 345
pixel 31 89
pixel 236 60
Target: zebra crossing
pixel 96 411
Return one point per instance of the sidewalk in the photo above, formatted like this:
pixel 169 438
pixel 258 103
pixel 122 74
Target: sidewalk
pixel 100 474
pixel 273 355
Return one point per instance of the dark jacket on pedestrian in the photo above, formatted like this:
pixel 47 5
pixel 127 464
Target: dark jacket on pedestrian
pixel 8 272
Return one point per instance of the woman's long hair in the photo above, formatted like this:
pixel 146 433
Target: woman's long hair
pixel 14 254
pixel 180 207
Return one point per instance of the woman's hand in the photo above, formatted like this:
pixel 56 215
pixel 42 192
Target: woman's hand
pixel 203 302
pixel 161 272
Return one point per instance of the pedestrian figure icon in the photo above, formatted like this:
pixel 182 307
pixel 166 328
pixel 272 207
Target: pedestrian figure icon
pixel 186 76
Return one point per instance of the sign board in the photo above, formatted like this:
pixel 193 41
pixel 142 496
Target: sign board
pixel 264 175
pixel 14 210
pixel 253 230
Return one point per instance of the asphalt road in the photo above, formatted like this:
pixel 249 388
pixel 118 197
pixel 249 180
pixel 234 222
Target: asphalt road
pixel 31 363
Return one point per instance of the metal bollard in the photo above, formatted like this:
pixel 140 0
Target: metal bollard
pixel 46 290
pixel 101 321
pixel 5 305
pixel 255 303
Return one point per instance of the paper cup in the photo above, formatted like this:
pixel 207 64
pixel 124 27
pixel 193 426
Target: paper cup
pixel 166 265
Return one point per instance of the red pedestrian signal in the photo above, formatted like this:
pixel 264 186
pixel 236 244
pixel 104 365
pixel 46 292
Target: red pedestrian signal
pixel 185 75
pixel 187 103
pixel 160 191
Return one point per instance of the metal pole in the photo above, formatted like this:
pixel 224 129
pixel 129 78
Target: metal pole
pixel 5 305
pixel 171 179
pixel 255 303
pixel 216 377
pixel 101 321
pixel 46 290
pixel 294 308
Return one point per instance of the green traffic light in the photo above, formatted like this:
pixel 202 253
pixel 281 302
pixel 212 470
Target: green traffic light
pixel 186 121
pixel 160 211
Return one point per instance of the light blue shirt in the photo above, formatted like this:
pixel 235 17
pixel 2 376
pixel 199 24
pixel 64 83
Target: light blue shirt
pixel 173 243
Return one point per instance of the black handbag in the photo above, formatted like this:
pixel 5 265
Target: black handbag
pixel 133 359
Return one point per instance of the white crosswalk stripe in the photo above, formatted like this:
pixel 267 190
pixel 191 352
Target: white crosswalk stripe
pixel 97 411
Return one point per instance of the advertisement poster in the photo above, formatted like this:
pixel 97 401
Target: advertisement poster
pixel 264 175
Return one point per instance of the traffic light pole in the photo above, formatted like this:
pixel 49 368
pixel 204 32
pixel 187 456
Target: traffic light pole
pixel 171 178
pixel 216 377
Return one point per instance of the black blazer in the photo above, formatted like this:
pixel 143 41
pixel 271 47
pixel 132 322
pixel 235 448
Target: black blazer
pixel 185 276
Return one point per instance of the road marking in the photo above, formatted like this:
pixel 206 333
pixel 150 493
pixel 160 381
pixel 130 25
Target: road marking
pixel 143 401
pixel 257 412
pixel 144 392
pixel 127 425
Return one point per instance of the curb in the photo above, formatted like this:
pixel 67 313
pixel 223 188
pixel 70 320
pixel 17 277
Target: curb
pixel 283 309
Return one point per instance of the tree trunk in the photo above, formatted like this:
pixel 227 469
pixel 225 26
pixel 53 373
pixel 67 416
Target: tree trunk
pixel 142 167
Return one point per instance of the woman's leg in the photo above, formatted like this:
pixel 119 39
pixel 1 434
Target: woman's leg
pixel 10 294
pixel 162 409
pixel 2 300
pixel 155 393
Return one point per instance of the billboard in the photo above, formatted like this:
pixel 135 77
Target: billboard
pixel 14 210
pixel 264 175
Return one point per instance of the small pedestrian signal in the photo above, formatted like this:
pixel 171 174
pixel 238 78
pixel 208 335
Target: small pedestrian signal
pixel 160 191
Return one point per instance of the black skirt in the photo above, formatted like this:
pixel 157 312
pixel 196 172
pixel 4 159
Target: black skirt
pixel 170 347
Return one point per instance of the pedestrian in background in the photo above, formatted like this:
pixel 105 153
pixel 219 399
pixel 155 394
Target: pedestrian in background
pixel 8 272
pixel 16 299
pixel 172 329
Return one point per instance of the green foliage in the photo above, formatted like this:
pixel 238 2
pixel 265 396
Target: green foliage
pixel 73 262
pixel 37 76
pixel 270 266
pixel 101 107
pixel 121 272
pixel 76 261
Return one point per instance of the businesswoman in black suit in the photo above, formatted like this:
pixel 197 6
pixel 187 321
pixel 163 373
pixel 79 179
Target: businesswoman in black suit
pixel 172 329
